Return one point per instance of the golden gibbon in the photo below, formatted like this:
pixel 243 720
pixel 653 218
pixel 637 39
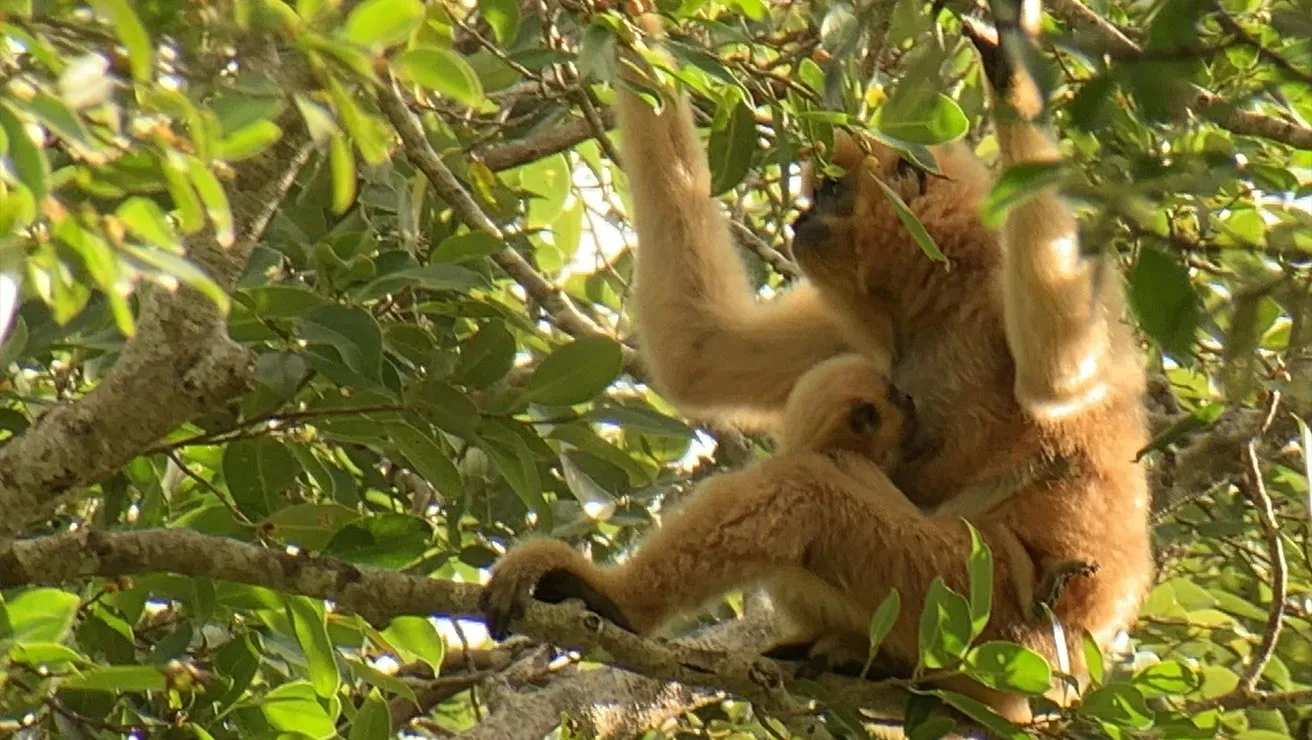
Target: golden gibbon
pixel 1028 402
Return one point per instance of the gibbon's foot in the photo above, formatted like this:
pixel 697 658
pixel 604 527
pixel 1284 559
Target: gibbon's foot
pixel 549 571
pixel 1053 582
pixel 819 657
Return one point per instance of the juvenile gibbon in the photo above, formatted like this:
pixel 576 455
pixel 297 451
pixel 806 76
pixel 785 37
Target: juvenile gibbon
pixel 1027 388
pixel 845 409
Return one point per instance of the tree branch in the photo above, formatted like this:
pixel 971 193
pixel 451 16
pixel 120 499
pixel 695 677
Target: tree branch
pixel 180 361
pixel 1248 123
pixel 378 595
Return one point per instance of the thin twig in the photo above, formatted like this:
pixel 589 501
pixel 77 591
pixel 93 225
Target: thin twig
pixel 420 152
pixel 1256 491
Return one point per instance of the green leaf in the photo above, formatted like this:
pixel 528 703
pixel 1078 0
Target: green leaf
pixel 881 623
pixel 372 722
pixel 1093 659
pixel 249 141
pixel 1239 361
pixel 1305 440
pixel 938 120
pixel 215 199
pixel 294 707
pixel 308 622
pixel 445 405
pixel 48 654
pixel 38 615
pixel 311 526
pixel 381 23
pixel 486 357
pixel 1164 302
pixel 473 245
pixel 980 567
pixel 548 179
pixel 441 71
pixel 342 162
pixel 518 466
pixel 382 540
pixel 576 372
pixel 146 220
pixel 368 133
pixel 982 714
pixel 731 148
pixel 353 332
pixel 1119 704
pixel 945 626
pixel 1167 678
pixel 1018 184
pixel 1009 667
pixel 415 638
pixel 258 471
pixel 118 679
pixel 318 120
pixel 912 223
pixel 191 215
pixel 503 17
pixel 131 32
pixel 178 266
pixel 427 459
pixel 28 159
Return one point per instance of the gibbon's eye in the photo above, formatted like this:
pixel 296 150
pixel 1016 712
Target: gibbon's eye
pixel 906 168
pixel 864 418
pixel 826 190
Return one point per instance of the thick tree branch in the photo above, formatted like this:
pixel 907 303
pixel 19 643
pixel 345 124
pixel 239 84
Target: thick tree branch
pixel 559 138
pixel 179 364
pixel 1227 116
pixel 378 595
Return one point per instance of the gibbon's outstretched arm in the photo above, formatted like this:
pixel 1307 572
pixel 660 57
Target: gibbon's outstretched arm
pixel 1060 319
pixel 712 349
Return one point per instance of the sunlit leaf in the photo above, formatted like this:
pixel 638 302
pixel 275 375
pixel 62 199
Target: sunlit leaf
pixel 131 32
pixel 381 23
pixel 415 638
pixel 945 626
pixel 294 707
pixel 1009 667
pixel 307 618
pixel 443 72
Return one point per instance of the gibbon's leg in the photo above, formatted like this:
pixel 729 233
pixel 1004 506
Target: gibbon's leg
pixel 795 517
pixel 709 345
pixel 1061 322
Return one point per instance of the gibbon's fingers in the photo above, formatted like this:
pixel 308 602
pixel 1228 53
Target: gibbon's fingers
pixel 547 570
pixel 711 349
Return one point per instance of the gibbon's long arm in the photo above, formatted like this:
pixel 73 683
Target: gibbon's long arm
pixel 1059 318
pixel 710 346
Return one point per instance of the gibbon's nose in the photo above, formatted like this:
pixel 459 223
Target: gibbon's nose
pixel 810 230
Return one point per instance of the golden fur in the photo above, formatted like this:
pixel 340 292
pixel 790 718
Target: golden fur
pixel 1027 389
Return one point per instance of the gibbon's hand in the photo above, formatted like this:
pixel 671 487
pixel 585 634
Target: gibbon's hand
pixel 549 571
